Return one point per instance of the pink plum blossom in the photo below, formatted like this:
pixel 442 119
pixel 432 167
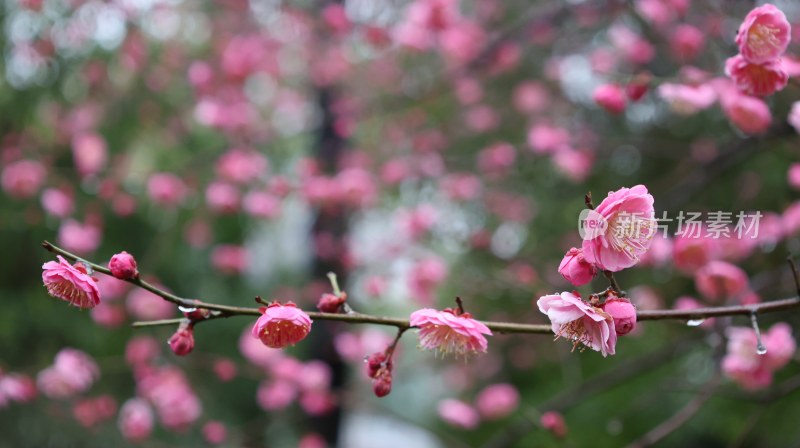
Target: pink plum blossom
pixel 81 238
pixel 575 269
pixel 281 325
pixel 623 312
pixel 450 331
pixel 123 266
pixel 756 79
pixel 135 420
pixel 22 179
pixel 687 99
pixel 57 202
pixel 720 280
pixel 748 113
pixel 764 34
pixel 497 401
pixel 70 283
pixel 457 413
pixel 90 153
pixel 166 189
pixel 751 370
pixel 579 322
pixel 610 97
pixel 627 215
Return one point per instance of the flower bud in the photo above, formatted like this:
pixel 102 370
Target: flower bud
pixel 382 385
pixel 554 422
pixel 182 342
pixel 610 97
pixel 623 312
pixel 575 268
pixel 123 266
pixel 330 303
pixel 374 363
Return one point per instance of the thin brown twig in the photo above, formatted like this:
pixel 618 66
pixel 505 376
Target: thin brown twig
pixel 223 311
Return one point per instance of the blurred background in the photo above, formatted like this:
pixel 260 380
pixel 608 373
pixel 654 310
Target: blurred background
pixel 421 150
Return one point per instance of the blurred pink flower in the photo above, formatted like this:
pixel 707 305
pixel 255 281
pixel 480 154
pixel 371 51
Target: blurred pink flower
pixel 751 370
pixel 554 422
pixel 242 165
pixel 275 395
pixel 720 280
pixel 686 42
pixel 457 413
pixel 17 387
pixel 214 432
pixel 57 202
pixel 497 401
pixel 764 34
pixel 627 215
pixel 579 322
pixel 748 113
pixel 135 420
pixel 281 325
pixel 22 179
pixel 544 139
pixel 756 79
pixel 80 238
pixel 89 153
pixel 141 350
pixel 70 283
pixel 425 276
pixel 449 332
pixel 610 97
pixel 230 259
pixel 222 197
pixel 166 189
pixel 262 204
pixel 91 411
pixel 688 99
pixel 575 269
pixel 144 305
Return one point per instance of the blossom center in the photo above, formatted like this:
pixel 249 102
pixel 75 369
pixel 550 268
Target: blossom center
pixel 630 233
pixel 763 38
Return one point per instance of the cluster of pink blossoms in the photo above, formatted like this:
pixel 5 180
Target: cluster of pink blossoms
pixel 762 39
pixel 618 232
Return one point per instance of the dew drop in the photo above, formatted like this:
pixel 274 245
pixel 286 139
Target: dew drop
pixel 184 309
pixel 695 322
pixel 761 349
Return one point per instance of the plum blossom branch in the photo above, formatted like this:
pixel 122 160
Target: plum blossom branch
pixel 223 311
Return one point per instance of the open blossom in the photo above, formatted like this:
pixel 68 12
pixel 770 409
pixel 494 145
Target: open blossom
pixel 580 322
pixel 458 413
pixel 449 331
pixel 764 34
pixel 625 232
pixel 281 325
pixel 720 280
pixel 756 79
pixel 135 420
pixel 575 269
pixel 751 370
pixel 70 283
pixel 497 401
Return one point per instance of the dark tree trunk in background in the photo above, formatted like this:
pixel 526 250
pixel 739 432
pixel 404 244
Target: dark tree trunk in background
pixel 331 221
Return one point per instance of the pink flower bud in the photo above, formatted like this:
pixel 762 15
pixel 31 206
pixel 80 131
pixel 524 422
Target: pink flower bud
pixel 575 268
pixel 123 266
pixel 182 342
pixel 554 422
pixel 610 97
pixel 624 314
pixel 383 384
pixel 374 363
pixel 330 303
pixel 282 325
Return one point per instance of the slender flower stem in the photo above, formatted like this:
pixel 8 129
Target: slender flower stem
pixel 613 281
pixel 795 274
pixel 219 311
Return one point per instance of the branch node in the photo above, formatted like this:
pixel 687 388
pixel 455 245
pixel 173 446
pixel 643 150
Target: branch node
pixel 588 201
